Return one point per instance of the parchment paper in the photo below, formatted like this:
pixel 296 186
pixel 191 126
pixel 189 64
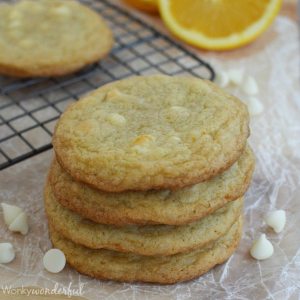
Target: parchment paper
pixel 274 60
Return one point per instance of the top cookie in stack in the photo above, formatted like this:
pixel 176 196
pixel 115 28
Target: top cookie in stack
pixel 148 179
pixel 155 132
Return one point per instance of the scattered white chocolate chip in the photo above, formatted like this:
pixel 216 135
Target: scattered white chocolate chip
pixel 236 76
pixel 10 212
pixel 250 86
pixel 222 79
pixel 276 219
pixel 262 248
pixel 116 119
pixel 20 224
pixel 255 106
pixel 15 218
pixel 54 260
pixel 7 253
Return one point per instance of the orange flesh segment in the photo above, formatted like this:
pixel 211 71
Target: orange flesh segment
pixel 225 24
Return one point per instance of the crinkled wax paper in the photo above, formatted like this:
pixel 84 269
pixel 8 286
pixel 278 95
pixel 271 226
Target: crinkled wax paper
pixel 274 61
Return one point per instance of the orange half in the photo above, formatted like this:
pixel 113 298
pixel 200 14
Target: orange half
pixel 218 24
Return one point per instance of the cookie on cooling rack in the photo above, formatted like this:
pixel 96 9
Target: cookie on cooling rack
pixel 50 38
pixel 151 132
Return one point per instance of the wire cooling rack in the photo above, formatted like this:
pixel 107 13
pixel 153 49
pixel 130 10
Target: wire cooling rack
pixel 30 108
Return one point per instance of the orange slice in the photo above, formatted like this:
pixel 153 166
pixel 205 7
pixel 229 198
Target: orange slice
pixel 218 24
pixel 150 6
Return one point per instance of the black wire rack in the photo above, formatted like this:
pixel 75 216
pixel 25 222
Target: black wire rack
pixel 30 108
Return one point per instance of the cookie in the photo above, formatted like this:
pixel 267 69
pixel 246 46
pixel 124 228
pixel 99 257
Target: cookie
pixel 50 38
pixel 153 207
pixel 112 265
pixel 143 240
pixel 151 132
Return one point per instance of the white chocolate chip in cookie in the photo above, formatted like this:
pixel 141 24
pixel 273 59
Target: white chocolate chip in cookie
pixel 276 219
pixel 62 11
pixel 111 94
pixel 262 248
pixel 7 253
pixel 143 139
pixel 195 135
pixel 54 260
pixel 116 119
pixel 142 142
pixel 175 139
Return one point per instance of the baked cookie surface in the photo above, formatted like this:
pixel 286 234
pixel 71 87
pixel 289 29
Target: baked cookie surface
pixel 112 265
pixel 153 207
pixel 143 240
pixel 50 37
pixel 151 132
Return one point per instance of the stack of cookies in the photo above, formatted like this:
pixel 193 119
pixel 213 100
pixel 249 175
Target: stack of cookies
pixel 148 179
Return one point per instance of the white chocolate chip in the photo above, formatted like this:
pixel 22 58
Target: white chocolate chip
pixel 236 76
pixel 20 224
pixel 140 149
pixel 116 119
pixel 10 212
pixel 262 248
pixel 255 106
pixel 250 86
pixel 276 219
pixel 222 79
pixel 7 253
pixel 175 139
pixel 143 139
pixel 62 11
pixel 15 218
pixel 54 260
